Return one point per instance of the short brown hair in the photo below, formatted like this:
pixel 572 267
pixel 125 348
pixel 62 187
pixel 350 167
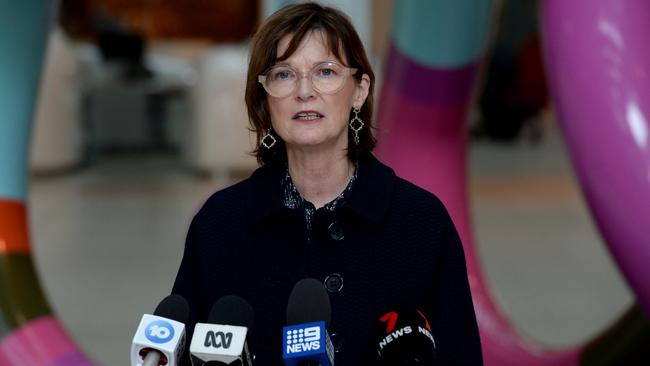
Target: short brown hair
pixel 299 20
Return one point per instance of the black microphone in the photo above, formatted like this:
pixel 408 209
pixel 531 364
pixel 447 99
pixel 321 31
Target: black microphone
pixel 404 338
pixel 305 341
pixel 160 338
pixel 222 340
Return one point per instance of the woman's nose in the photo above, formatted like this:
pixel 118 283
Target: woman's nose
pixel 305 88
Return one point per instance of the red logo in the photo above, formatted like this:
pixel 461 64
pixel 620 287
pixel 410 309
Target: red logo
pixel 391 318
pixel 426 322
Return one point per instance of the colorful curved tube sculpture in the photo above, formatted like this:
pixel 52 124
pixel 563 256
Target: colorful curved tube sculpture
pixel 430 75
pixel 598 60
pixel 29 333
pixel 598 63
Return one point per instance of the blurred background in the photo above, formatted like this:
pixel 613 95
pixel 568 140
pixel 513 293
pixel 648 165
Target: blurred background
pixel 141 117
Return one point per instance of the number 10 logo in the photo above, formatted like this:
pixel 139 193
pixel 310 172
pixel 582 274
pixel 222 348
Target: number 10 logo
pixel 159 331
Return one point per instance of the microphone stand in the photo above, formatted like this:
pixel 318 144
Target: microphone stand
pixel 152 359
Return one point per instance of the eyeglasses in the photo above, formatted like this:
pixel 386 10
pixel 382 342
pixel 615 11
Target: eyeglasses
pixel 327 77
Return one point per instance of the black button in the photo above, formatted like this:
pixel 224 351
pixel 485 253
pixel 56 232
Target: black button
pixel 334 282
pixel 337 341
pixel 336 231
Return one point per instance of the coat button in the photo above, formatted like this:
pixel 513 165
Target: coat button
pixel 336 231
pixel 337 341
pixel 334 282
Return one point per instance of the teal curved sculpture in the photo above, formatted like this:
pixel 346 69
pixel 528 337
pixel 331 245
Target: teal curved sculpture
pixel 30 335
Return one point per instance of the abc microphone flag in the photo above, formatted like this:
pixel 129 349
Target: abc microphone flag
pixel 306 341
pixel 222 340
pixel 160 338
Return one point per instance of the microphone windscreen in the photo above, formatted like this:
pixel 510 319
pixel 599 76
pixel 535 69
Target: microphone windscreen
pixel 308 302
pixel 232 310
pixel 404 337
pixel 174 307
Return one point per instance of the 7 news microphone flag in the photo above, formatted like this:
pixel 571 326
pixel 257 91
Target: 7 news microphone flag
pixel 404 337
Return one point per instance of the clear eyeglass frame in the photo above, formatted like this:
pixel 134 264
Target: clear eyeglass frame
pixel 347 71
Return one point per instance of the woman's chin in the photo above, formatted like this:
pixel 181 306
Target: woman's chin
pixel 312 142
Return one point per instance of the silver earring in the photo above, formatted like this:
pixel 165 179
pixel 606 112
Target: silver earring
pixel 268 140
pixel 356 124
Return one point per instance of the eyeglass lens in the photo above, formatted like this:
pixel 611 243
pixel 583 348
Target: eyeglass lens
pixel 326 78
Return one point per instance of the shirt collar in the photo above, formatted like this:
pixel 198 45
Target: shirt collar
pixel 293 199
pixel 369 197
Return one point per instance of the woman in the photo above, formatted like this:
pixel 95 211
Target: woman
pixel 322 206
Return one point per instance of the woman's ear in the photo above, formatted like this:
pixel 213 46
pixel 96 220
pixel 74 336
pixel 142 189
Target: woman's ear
pixel 361 93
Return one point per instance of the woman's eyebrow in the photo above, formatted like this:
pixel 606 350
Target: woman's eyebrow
pixel 325 61
pixel 315 63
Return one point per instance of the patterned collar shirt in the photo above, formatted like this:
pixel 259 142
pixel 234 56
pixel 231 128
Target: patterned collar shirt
pixel 293 200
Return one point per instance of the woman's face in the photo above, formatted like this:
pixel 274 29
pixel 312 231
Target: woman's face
pixel 307 118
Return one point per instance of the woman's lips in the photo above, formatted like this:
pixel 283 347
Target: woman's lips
pixel 307 116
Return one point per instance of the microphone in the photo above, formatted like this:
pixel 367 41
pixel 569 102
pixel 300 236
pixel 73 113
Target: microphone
pixel 404 338
pixel 305 342
pixel 160 338
pixel 222 340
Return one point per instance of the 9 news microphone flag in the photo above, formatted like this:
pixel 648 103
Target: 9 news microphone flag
pixel 306 341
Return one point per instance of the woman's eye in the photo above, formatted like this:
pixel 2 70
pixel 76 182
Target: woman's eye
pixel 281 75
pixel 327 72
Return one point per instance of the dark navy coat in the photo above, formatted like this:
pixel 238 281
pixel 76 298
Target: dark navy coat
pixel 391 242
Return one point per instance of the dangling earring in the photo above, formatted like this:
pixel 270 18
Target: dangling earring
pixel 268 140
pixel 356 124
